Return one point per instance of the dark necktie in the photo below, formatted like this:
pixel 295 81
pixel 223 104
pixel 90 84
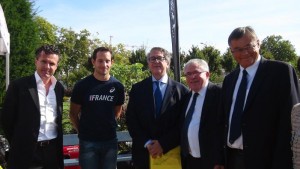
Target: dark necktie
pixel 235 128
pixel 188 118
pixel 158 99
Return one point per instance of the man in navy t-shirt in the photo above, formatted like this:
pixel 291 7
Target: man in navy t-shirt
pixel 96 102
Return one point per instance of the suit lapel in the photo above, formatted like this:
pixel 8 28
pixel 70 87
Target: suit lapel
pixel 148 96
pixel 32 87
pixel 206 104
pixel 230 91
pixel 58 94
pixel 186 102
pixel 168 96
pixel 258 79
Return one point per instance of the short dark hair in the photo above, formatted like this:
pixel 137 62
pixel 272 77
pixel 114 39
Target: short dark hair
pixel 47 49
pixel 101 49
pixel 239 32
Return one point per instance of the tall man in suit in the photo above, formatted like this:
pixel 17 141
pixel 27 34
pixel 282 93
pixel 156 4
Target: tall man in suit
pixel 32 116
pixel 199 119
pixel 153 128
pixel 258 136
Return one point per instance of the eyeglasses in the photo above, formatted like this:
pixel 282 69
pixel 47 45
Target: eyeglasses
pixel 153 59
pixel 248 48
pixel 192 74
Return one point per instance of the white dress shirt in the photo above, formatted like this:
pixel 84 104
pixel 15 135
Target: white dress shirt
pixel 48 108
pixel 251 70
pixel 193 130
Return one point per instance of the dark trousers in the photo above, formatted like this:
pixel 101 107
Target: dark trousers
pixel 45 156
pixel 190 162
pixel 235 159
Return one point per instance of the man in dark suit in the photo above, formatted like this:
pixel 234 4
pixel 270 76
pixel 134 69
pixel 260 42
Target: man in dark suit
pixel 199 119
pixel 32 116
pixel 154 123
pixel 258 131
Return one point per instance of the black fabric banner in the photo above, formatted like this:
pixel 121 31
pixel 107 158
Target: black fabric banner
pixel 174 38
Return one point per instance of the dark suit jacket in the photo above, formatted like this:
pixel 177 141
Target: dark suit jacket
pixel 142 124
pixel 266 121
pixel 208 122
pixel 21 121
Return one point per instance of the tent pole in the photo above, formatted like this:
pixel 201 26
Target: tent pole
pixel 7 70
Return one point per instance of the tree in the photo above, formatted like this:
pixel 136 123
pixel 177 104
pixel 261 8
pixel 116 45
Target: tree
pixel 24 38
pixel 275 47
pixel 228 62
pixel 47 31
pixel 129 74
pixel 139 56
pixel 195 52
pixel 121 54
pixel 75 52
pixel 213 58
pixel 23 34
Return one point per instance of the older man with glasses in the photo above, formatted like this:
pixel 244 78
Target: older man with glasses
pixel 153 111
pixel 199 117
pixel 257 99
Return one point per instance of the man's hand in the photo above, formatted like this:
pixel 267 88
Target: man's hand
pixel 154 148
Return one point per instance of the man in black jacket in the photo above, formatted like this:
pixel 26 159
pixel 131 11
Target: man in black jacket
pixel 32 116
pixel 200 109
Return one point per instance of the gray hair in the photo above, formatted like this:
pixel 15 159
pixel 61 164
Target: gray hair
pixel 166 54
pixel 199 62
pixel 239 32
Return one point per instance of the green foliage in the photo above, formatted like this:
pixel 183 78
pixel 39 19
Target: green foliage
pixel 24 39
pixel 47 31
pixel 274 47
pixel 129 74
pixel 213 58
pixel 228 62
pixel 216 78
pixel 66 123
pixel 121 54
pixel 194 53
pixel 75 50
pixel 23 34
pixel 139 56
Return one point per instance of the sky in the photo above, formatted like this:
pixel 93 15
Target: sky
pixel 137 23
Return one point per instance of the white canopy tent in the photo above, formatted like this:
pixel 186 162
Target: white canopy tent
pixel 4 43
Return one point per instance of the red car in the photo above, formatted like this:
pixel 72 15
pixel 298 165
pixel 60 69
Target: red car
pixel 71 149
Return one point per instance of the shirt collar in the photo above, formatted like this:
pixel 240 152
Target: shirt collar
pixel 164 79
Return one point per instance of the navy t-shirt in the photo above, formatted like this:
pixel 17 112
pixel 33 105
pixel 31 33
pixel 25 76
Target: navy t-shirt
pixel 98 100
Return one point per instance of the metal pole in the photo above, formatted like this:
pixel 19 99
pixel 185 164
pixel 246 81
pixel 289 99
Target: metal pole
pixel 7 70
pixel 175 38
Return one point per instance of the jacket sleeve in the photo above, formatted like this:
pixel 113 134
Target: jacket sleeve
pixel 171 138
pixel 132 120
pixel 9 111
